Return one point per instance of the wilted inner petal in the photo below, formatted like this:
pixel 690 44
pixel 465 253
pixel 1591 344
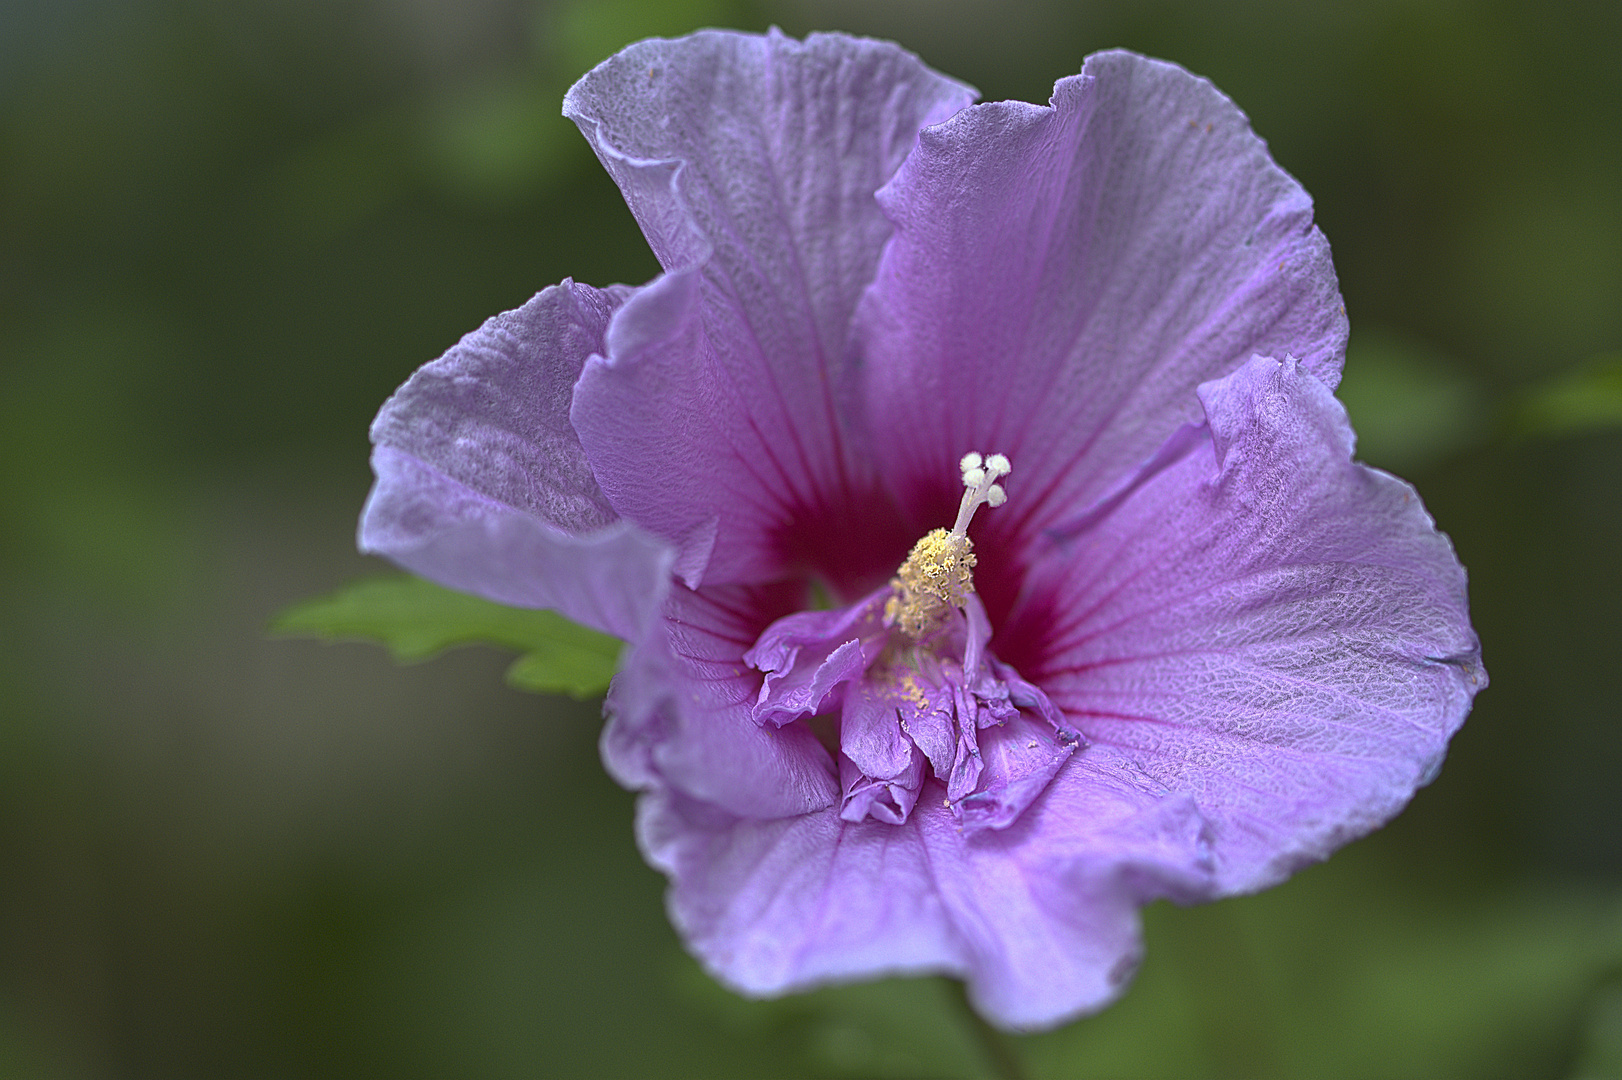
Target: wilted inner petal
pixel 940 700
pixel 810 655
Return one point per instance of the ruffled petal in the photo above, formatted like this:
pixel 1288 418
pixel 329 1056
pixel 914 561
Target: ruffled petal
pixel 1062 277
pixel 1048 909
pixel 837 646
pixel 1040 919
pixel 1261 624
pixel 774 906
pixel 483 486
pixel 1021 756
pixel 888 800
pixel 681 711
pixel 751 164
pixel 870 735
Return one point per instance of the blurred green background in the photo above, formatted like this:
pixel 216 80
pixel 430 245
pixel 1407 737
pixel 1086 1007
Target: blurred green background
pixel 228 229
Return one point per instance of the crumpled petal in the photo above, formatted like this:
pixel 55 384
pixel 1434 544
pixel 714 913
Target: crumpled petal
pixel 1263 625
pixel 482 484
pixel 1062 277
pixel 841 644
pixel 681 711
pixel 717 419
pixel 871 738
pixel 940 698
pixel 1040 919
pixel 888 799
pixel 1020 756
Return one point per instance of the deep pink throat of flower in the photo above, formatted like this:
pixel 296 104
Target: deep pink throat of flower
pixel 907 672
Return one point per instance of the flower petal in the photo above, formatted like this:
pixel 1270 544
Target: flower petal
pixel 1048 909
pixel 870 734
pixel 1021 756
pixel 681 711
pixel 1263 625
pixel 483 486
pixel 775 906
pixel 1040 919
pixel 888 800
pixel 751 164
pixel 808 655
pixel 1062 277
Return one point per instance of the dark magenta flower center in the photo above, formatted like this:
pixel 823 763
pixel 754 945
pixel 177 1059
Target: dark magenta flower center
pixel 907 709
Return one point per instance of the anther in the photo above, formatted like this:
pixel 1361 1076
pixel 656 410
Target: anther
pixel 939 572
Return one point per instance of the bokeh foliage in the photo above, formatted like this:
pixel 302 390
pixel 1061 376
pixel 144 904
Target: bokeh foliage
pixel 228 228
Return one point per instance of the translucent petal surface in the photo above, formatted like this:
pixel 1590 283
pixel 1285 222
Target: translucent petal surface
pixel 1040 919
pixel 717 420
pixel 1062 278
pixel 482 484
pixel 1264 625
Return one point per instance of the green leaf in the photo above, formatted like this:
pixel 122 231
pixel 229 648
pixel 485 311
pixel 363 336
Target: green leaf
pixel 1584 400
pixel 417 619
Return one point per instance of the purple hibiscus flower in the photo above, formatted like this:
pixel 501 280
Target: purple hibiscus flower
pixel 972 495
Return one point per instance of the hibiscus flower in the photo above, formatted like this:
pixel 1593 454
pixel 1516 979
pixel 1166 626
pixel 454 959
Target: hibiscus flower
pixel 972 496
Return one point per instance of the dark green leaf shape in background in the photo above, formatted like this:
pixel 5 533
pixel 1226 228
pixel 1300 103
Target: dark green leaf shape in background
pixel 417 619
pixel 1587 399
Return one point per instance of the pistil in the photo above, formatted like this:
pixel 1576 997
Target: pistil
pixel 939 573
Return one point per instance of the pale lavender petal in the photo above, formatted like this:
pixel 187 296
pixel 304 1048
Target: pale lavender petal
pixel 611 579
pixel 759 155
pixel 1048 907
pixel 805 690
pixel 1062 278
pixel 888 800
pixel 680 712
pixel 1020 755
pixel 751 163
pixel 1264 625
pixel 774 906
pixel 492 414
pixel 483 486
pixel 966 763
pixel 934 731
pixel 1027 695
pixel 807 655
pixel 870 734
pixel 1040 919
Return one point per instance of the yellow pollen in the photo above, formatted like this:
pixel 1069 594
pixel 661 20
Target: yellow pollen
pixel 939 573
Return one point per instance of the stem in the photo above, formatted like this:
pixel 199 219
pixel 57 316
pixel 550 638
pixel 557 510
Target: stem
pixel 997 1047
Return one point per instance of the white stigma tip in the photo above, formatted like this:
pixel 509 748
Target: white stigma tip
pixel 980 474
